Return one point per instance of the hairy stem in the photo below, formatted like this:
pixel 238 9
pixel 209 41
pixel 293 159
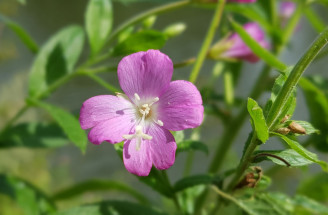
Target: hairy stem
pixel 208 40
pixel 294 77
pixel 280 101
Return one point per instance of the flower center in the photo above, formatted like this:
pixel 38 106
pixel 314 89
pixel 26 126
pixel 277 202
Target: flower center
pixel 144 113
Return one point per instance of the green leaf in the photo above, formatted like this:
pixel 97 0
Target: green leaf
pixel 67 122
pixel 250 11
pixel 99 21
pixel 22 1
pixel 31 200
pixel 158 181
pixel 275 204
pixel 309 129
pixel 289 155
pixel 258 120
pixel 291 103
pixel 305 205
pixel 261 52
pixel 195 180
pixel 189 145
pixel 315 187
pixel 178 136
pixel 317 103
pixel 21 33
pixel 33 135
pixel 98 185
pixel 302 151
pixel 140 41
pixel 56 59
pixel 110 208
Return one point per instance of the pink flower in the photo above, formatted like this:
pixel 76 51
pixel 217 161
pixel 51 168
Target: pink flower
pixel 286 9
pixel 142 117
pixel 239 50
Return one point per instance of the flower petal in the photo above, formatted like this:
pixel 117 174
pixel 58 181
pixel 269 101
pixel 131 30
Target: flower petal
pixel 180 107
pixel 162 147
pixel 240 50
pixel 112 130
pixel 137 162
pixel 145 73
pixel 100 108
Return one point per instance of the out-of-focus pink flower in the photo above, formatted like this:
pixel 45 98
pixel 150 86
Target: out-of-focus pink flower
pixel 286 9
pixel 239 50
pixel 142 117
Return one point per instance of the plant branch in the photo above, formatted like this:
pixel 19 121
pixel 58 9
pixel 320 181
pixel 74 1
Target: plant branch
pixel 142 16
pixel 208 40
pixel 294 77
pixel 236 123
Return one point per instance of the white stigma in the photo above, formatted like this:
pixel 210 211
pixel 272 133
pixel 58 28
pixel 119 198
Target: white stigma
pixel 146 115
pixel 138 135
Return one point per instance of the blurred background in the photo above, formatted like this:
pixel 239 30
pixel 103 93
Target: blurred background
pixel 54 169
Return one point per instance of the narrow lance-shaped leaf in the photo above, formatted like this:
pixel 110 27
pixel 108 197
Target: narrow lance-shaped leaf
pixel 21 33
pixel 56 59
pixel 261 52
pixel 317 104
pixel 33 135
pixel 30 199
pixel 308 127
pixel 275 204
pixel 189 145
pixel 291 103
pixel 110 208
pixel 140 41
pixel 302 151
pixel 250 11
pixel 197 180
pixel 67 122
pixel 99 21
pixel 315 187
pixel 98 185
pixel 258 120
pixel 291 156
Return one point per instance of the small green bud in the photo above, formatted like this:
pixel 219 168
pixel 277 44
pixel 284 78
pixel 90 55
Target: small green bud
pixel 174 29
pixel 149 22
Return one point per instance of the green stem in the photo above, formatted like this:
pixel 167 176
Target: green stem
pixel 280 101
pixel 142 16
pixel 236 123
pixel 174 197
pixel 228 87
pixel 17 116
pixel 102 82
pixel 294 77
pixel 208 40
pixel 245 161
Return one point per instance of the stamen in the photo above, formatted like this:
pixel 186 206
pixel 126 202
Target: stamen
pixel 156 99
pixel 123 96
pixel 159 122
pixel 137 96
